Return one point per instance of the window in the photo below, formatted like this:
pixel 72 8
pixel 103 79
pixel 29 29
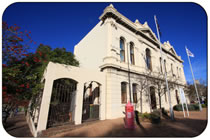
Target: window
pixel 148 59
pixel 177 71
pixel 177 97
pixel 180 71
pixel 165 66
pixel 161 69
pixel 153 98
pixel 123 92
pixel 172 70
pixel 132 53
pixel 122 49
pixel 134 86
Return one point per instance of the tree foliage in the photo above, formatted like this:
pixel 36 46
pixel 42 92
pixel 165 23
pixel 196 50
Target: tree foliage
pixel 201 88
pixel 22 71
pixel 15 42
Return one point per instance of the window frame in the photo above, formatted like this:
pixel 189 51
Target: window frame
pixel 122 49
pixel 123 92
pixel 148 59
pixel 135 98
pixel 132 58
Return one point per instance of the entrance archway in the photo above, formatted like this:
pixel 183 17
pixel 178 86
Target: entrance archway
pixel 62 102
pixel 153 98
pixel 91 101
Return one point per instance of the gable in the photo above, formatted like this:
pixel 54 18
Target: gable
pixel 172 51
pixel 149 34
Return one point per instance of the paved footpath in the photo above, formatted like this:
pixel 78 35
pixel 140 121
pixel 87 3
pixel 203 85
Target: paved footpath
pixel 17 126
pixel 181 127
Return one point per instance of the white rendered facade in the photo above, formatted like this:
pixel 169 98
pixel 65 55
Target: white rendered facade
pixel 100 50
pixel 108 60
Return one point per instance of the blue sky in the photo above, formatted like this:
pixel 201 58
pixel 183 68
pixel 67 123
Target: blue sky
pixel 65 24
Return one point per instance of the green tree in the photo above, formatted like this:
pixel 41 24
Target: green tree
pixel 22 71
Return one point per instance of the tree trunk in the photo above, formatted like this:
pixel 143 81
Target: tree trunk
pixel 141 101
pixel 159 100
pixel 160 103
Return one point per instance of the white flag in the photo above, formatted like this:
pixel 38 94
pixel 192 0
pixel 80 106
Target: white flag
pixel 189 53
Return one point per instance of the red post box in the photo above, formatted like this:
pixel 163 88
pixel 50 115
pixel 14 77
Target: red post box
pixel 129 116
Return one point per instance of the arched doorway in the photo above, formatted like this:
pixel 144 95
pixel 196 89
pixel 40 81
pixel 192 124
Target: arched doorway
pixel 153 98
pixel 177 97
pixel 91 101
pixel 62 102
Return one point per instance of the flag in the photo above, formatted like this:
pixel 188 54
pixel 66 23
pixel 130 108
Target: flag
pixel 189 53
pixel 156 21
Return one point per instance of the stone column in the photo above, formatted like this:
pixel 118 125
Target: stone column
pixel 79 103
pixel 45 104
pixel 102 102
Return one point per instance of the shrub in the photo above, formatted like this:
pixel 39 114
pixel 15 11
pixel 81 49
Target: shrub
pixel 191 107
pixel 196 107
pixel 164 112
pixel 144 115
pixel 177 107
pixel 155 117
pixel 203 105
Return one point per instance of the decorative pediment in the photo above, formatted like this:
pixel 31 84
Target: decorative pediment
pixel 170 48
pixel 149 33
pixel 172 51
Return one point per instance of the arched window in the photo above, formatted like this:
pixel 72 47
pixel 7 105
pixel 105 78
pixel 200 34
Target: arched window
pixel 161 68
pixel 122 49
pixel 177 71
pixel 134 87
pixel 132 53
pixel 177 97
pixel 165 66
pixel 148 59
pixel 123 92
pixel 172 72
pixel 153 98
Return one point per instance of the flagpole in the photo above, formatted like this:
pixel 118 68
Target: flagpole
pixel 169 95
pixel 194 81
pixel 129 78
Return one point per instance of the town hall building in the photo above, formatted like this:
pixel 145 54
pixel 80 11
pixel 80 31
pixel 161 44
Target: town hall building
pixel 120 61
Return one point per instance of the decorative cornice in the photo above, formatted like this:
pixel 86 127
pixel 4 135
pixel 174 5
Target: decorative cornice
pixel 152 76
pixel 136 27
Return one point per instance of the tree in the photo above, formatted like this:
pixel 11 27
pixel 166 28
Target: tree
pixel 160 83
pixel 202 91
pixel 143 90
pixel 22 71
pixel 15 43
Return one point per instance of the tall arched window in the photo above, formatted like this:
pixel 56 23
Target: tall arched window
pixel 161 68
pixel 177 71
pixel 134 88
pixel 148 59
pixel 153 98
pixel 122 49
pixel 177 97
pixel 123 92
pixel 172 72
pixel 132 53
pixel 165 66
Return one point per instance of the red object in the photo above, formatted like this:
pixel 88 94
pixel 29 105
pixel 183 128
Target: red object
pixel 129 116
